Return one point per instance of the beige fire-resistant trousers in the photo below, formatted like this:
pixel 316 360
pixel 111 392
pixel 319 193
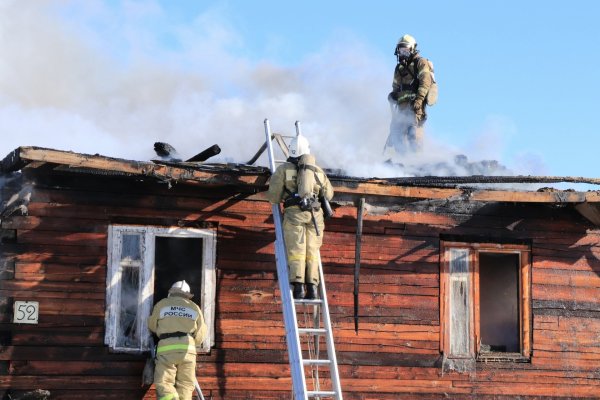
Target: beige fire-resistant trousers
pixel 302 244
pixel 175 375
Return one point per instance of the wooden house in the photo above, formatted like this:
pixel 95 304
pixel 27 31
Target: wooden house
pixel 461 292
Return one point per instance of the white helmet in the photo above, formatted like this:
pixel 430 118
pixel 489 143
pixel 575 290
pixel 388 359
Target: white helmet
pixel 407 41
pixel 181 287
pixel 298 146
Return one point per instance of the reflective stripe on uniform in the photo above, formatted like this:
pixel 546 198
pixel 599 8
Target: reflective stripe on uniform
pixel 169 396
pixel 169 347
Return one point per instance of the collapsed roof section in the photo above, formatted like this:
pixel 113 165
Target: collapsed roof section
pixel 249 178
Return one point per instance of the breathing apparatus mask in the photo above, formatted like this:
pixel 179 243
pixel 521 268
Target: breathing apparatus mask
pixel 403 53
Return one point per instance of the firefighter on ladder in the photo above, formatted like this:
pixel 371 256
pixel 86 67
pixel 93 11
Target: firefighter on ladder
pixel 179 324
pixel 300 184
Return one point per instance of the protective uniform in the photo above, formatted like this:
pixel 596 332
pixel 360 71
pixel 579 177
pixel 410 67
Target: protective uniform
pixel 179 324
pixel 412 80
pixel 301 240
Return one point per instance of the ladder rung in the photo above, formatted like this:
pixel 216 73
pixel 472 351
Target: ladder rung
pixel 315 393
pixel 315 302
pixel 316 362
pixel 312 331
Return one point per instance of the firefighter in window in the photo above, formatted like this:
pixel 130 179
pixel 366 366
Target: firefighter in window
pixel 305 191
pixel 179 324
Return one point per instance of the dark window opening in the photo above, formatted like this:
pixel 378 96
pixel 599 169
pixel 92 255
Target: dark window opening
pixel 177 259
pixel 499 302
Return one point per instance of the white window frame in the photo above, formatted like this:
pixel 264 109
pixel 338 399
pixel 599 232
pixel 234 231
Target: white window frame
pixel 148 241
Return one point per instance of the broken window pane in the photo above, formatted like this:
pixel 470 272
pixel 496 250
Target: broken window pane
pixel 131 249
pixel 460 299
pixel 499 302
pixel 128 334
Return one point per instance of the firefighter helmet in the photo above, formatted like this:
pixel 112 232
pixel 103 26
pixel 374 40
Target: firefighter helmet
pixel 181 287
pixel 298 146
pixel 407 46
pixel 408 42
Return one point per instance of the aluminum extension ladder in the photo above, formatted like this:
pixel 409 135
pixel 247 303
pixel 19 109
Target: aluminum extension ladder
pixel 320 312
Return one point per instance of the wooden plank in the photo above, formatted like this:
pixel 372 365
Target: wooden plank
pixel 566 277
pixel 35 236
pixel 35 287
pixel 55 336
pixel 562 293
pixel 43 270
pixel 135 168
pixel 55 224
pixel 105 394
pixel 529 197
pixel 590 211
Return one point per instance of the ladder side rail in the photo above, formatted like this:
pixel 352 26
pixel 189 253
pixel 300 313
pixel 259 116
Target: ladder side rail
pixel 331 355
pixel 334 371
pixel 289 310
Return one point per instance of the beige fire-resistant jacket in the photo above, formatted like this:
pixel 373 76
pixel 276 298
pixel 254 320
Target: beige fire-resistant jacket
pixel 415 79
pixel 178 314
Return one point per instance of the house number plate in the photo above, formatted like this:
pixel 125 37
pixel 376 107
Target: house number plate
pixel 26 312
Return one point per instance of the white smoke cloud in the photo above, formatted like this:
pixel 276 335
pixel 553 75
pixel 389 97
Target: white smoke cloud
pixel 76 76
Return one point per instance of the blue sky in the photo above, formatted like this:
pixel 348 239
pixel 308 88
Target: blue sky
pixel 517 80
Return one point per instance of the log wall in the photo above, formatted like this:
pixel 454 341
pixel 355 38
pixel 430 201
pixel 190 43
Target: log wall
pixel 56 254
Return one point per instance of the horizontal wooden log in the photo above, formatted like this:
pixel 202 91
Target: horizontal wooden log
pixel 55 336
pixel 60 272
pixel 568 264
pixel 46 286
pixel 106 394
pixel 568 278
pixel 589 295
pixel 77 368
pixel 55 224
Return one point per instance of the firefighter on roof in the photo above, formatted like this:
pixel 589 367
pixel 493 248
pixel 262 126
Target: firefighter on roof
pixel 302 186
pixel 179 324
pixel 413 88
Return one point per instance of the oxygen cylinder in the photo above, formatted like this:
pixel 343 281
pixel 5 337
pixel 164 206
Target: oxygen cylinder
pixel 306 176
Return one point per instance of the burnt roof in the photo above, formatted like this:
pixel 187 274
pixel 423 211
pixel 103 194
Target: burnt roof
pixel 256 178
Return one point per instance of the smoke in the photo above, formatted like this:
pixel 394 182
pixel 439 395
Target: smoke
pixel 75 76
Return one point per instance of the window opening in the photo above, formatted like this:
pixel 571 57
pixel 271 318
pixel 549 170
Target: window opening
pixel 177 259
pixel 499 302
